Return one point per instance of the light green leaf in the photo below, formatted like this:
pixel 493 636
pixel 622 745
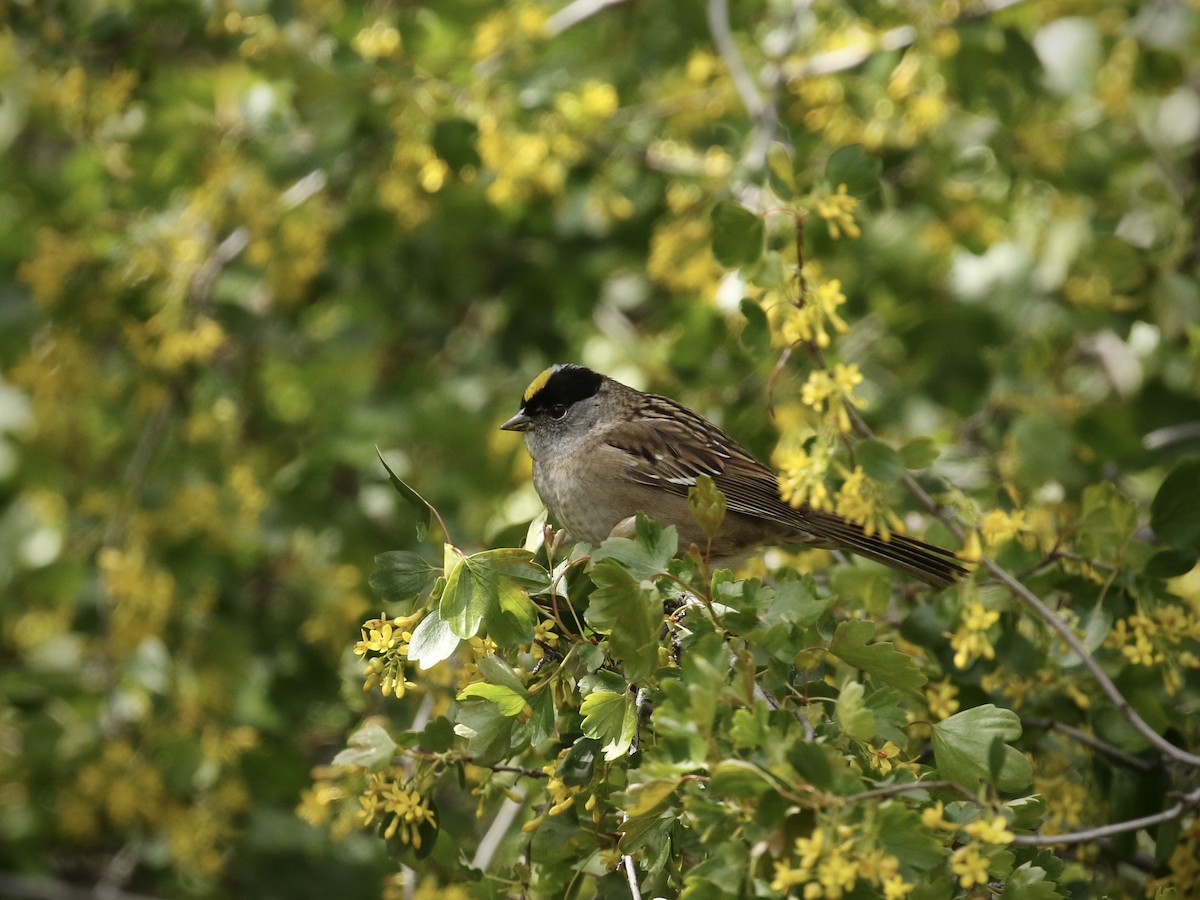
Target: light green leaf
pixel 737 235
pixel 432 641
pixel 370 746
pixel 470 592
pixel 881 660
pixel 739 779
pixel 631 613
pixel 919 453
pixel 902 834
pixel 706 503
pixel 488 734
pixel 1028 882
pixel 644 797
pixel 507 701
pixel 611 719
pixel 857 721
pixel 648 555
pixel 962 748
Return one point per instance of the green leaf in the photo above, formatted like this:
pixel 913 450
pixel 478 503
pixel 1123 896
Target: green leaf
pixel 756 334
pixel 902 834
pixel 855 168
pixel 578 766
pixel 780 165
pixel 401 575
pixel 611 719
pixel 962 747
pixel 631 614
pixel 811 762
pixel 513 563
pixel 857 721
pixel 879 461
pixel 648 555
pixel 1028 882
pixel 706 503
pixel 739 779
pixel 1175 511
pixel 919 453
pixel 470 592
pixel 1170 563
pixel 510 621
pixel 1106 521
pixel 488 734
pixel 414 499
pixel 645 797
pixel 737 235
pixel 880 660
pixel 432 641
pixel 507 701
pixel 370 746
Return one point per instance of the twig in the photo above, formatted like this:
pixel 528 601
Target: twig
pixel 574 13
pixel 893 39
pixel 520 770
pixel 893 789
pixel 1101 746
pixel 631 877
pixel 498 829
pixel 30 887
pixel 1030 599
pixel 722 35
pixel 1188 802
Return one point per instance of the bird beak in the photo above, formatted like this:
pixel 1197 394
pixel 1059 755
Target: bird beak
pixel 519 422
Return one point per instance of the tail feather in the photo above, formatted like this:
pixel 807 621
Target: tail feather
pixel 933 565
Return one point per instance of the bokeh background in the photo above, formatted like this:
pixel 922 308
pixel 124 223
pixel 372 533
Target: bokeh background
pixel 243 244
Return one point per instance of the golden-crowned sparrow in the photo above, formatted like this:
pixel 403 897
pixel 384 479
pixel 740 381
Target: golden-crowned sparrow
pixel 603 451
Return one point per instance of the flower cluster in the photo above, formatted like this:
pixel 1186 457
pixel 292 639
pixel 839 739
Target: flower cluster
pixel 389 638
pixel 837 209
pixel 970 641
pixel 805 322
pixel 1159 639
pixel 833 859
pixel 398 804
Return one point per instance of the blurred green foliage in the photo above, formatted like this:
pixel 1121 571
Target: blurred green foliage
pixel 244 244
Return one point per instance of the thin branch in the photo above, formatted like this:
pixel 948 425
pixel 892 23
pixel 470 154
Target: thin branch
pixel 498 829
pixel 1030 599
pixel 722 35
pixel 520 770
pixel 30 887
pixel 893 39
pixel 1101 746
pixel 893 789
pixel 574 13
pixel 1188 802
pixel 631 876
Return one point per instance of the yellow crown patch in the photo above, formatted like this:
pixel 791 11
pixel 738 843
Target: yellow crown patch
pixel 537 384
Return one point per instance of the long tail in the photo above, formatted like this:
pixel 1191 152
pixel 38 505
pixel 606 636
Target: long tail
pixel 931 564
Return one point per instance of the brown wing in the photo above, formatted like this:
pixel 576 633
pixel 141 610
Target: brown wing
pixel 673 445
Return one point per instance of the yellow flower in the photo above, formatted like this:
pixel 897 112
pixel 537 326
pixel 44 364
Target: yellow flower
pixel 895 888
pixel 378 41
pixel 969 865
pixel 883 757
pixel 838 212
pixel 990 831
pixel 941 697
pixel 932 816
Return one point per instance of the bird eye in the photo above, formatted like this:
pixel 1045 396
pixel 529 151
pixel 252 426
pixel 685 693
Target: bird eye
pixel 557 411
